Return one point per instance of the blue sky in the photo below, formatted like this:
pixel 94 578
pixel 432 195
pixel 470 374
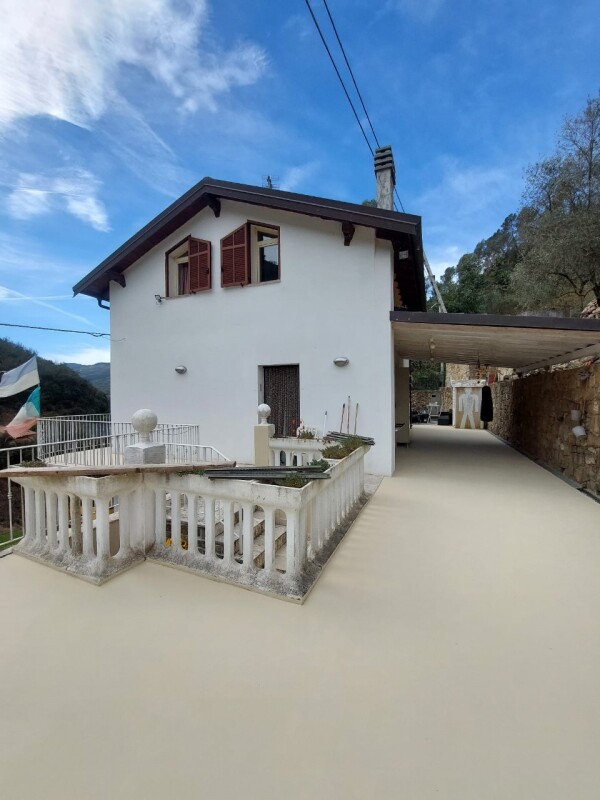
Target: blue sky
pixel 110 109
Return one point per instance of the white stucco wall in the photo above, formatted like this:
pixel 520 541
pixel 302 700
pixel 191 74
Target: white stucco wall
pixel 331 301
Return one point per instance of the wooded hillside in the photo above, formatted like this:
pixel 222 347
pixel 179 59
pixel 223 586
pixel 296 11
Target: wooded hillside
pixel 63 391
pixel 546 255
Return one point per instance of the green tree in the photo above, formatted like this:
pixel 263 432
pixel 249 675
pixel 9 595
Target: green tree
pixel 462 287
pixel 559 260
pixel 498 257
pixel 425 375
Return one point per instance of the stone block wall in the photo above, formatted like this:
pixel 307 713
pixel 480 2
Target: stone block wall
pixel 419 398
pixel 533 414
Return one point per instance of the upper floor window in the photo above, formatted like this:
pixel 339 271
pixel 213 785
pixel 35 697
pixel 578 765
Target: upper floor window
pixel 265 253
pixel 250 255
pixel 187 267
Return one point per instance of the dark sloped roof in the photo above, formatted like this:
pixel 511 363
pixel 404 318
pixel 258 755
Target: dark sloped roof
pixel 388 224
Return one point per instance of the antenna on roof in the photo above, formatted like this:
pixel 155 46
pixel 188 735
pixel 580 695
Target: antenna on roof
pixel 270 182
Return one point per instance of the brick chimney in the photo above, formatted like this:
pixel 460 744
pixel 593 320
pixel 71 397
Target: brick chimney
pixel 385 177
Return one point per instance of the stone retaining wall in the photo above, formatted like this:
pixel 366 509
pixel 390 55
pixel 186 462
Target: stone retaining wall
pixel 419 398
pixel 533 414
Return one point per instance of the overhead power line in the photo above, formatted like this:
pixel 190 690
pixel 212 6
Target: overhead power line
pixel 337 72
pixel 362 102
pixel 427 266
pixel 350 70
pixel 58 330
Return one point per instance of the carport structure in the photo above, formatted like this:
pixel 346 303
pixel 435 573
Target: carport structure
pixel 523 343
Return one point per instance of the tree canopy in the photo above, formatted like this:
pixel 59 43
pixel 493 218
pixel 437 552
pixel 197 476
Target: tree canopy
pixel 547 254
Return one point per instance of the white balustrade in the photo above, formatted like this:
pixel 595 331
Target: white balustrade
pixel 223 526
pixel 296 452
pixel 71 522
pixel 232 525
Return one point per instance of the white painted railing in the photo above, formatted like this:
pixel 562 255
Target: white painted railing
pixel 293 452
pixel 95 440
pixel 70 522
pixel 245 532
pixel 251 532
pixel 194 454
pixel 12 498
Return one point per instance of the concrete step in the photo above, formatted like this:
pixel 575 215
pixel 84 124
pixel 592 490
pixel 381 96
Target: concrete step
pixel 259 538
pixel 259 546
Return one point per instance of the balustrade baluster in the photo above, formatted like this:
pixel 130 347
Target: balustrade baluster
pixel 192 523
pixel 87 527
pixel 30 525
pixel 125 502
pixel 176 521
pixel 293 525
pixel 160 525
pixel 51 521
pixel 40 517
pixel 228 535
pixel 248 535
pixel 102 528
pixel 315 532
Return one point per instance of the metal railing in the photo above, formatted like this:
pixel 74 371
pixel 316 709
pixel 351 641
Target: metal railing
pixel 12 499
pixel 90 440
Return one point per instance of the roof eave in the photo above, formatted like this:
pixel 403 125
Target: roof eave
pixel 386 223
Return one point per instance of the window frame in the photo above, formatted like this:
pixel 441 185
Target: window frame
pixel 254 250
pixel 178 261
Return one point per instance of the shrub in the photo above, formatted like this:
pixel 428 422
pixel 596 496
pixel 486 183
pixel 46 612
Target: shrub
pixel 342 449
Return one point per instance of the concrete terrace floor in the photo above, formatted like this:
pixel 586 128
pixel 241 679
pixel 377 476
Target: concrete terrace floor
pixel 450 650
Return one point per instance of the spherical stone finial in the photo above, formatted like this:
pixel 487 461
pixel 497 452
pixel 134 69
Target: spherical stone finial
pixel 264 412
pixel 144 422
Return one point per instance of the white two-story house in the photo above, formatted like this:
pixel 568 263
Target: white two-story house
pixel 237 295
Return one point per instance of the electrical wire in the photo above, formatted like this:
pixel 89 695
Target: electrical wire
pixel 360 97
pixel 337 72
pixel 337 36
pixel 58 330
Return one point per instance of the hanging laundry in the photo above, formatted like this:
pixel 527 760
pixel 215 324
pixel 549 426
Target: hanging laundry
pixel 487 405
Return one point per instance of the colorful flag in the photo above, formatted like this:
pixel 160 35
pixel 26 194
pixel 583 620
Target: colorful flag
pixel 26 417
pixel 20 378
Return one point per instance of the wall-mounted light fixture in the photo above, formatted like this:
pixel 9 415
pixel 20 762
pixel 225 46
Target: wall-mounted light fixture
pixel 158 298
pixel 181 370
pixel 341 361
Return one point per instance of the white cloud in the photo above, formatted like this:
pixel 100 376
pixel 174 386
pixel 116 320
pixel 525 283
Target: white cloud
pixel 294 177
pixel 83 355
pixel 71 190
pixel 66 59
pixel 442 257
pixel 7 294
pixel 35 262
pixel 466 204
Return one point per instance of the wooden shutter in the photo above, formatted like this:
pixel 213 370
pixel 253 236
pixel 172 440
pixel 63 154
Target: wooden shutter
pixel 235 261
pixel 198 265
